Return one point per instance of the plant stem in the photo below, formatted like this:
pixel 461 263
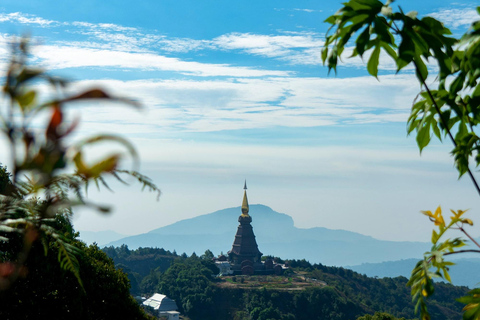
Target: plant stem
pixel 473 240
pixel 444 123
pixel 461 251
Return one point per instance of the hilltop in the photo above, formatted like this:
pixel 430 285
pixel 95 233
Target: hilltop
pixel 304 291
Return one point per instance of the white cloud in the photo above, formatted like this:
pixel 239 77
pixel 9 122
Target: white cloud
pixel 273 46
pixel 103 26
pixel 26 19
pixel 456 17
pixel 59 57
pixel 183 44
pixel 218 105
pixel 307 10
pixel 298 9
pixel 294 47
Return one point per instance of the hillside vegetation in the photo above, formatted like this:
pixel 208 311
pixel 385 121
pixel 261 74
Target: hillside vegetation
pixel 308 291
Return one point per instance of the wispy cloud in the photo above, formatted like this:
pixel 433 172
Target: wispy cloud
pixel 267 45
pixel 293 47
pixel 298 9
pixel 103 26
pixel 59 57
pixel 116 46
pixel 235 97
pixel 183 44
pixel 26 19
pixel 307 10
pixel 218 105
pixel 457 17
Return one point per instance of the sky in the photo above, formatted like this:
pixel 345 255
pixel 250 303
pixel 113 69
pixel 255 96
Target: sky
pixel 235 90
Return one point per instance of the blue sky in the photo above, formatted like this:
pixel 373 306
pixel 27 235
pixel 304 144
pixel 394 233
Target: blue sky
pixel 236 90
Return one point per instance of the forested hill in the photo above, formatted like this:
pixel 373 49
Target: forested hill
pixel 276 235
pixel 307 291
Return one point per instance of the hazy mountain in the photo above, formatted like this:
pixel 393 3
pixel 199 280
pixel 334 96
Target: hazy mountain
pixel 100 237
pixel 464 273
pixel 276 235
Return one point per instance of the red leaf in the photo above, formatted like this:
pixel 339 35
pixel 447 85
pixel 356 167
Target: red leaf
pixel 55 121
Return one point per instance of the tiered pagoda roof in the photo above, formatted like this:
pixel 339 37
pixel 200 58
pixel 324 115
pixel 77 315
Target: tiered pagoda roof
pixel 245 246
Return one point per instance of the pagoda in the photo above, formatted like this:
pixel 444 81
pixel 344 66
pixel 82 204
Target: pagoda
pixel 245 257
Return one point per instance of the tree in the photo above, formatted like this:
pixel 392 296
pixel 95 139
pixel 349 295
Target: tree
pixel 452 109
pixel 379 316
pixel 39 294
pixel 48 176
pixel 41 184
pixel 208 255
pixel 189 282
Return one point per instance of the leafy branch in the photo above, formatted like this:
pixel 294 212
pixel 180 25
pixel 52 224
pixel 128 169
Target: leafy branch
pixel 42 185
pixel 452 109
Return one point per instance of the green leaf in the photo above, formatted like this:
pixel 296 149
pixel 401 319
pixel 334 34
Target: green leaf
pixel 462 132
pixel 457 84
pixel 420 69
pixel 423 136
pixel 331 20
pixel 26 99
pixel 372 65
pixel 406 51
pixel 436 130
pixel 412 125
pixel 472 305
pixel 381 28
pixel 374 4
pixel 389 50
pixel 362 41
pixel 324 54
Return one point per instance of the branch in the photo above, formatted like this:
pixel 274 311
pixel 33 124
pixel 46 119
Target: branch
pixel 462 251
pixel 444 123
pixel 466 233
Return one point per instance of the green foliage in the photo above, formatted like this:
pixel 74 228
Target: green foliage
pixel 451 109
pixel 42 185
pixel 189 282
pixel 422 275
pixel 471 301
pixel 38 293
pixel 379 316
pixel 344 295
pixel 208 255
pixel 143 266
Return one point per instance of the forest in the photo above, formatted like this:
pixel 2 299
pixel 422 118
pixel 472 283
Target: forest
pixel 199 294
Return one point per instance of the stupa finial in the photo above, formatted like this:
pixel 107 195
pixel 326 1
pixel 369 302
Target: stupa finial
pixel 245 207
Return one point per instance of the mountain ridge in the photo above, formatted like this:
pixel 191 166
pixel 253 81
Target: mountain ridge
pixel 463 273
pixel 276 235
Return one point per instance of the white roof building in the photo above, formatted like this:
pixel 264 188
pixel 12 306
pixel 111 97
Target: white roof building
pixel 224 266
pixel 165 306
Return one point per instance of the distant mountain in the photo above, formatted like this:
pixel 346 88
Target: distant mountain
pixel 276 235
pixel 464 273
pixel 100 237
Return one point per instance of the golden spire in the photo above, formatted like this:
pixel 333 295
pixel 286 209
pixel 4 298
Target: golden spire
pixel 245 201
